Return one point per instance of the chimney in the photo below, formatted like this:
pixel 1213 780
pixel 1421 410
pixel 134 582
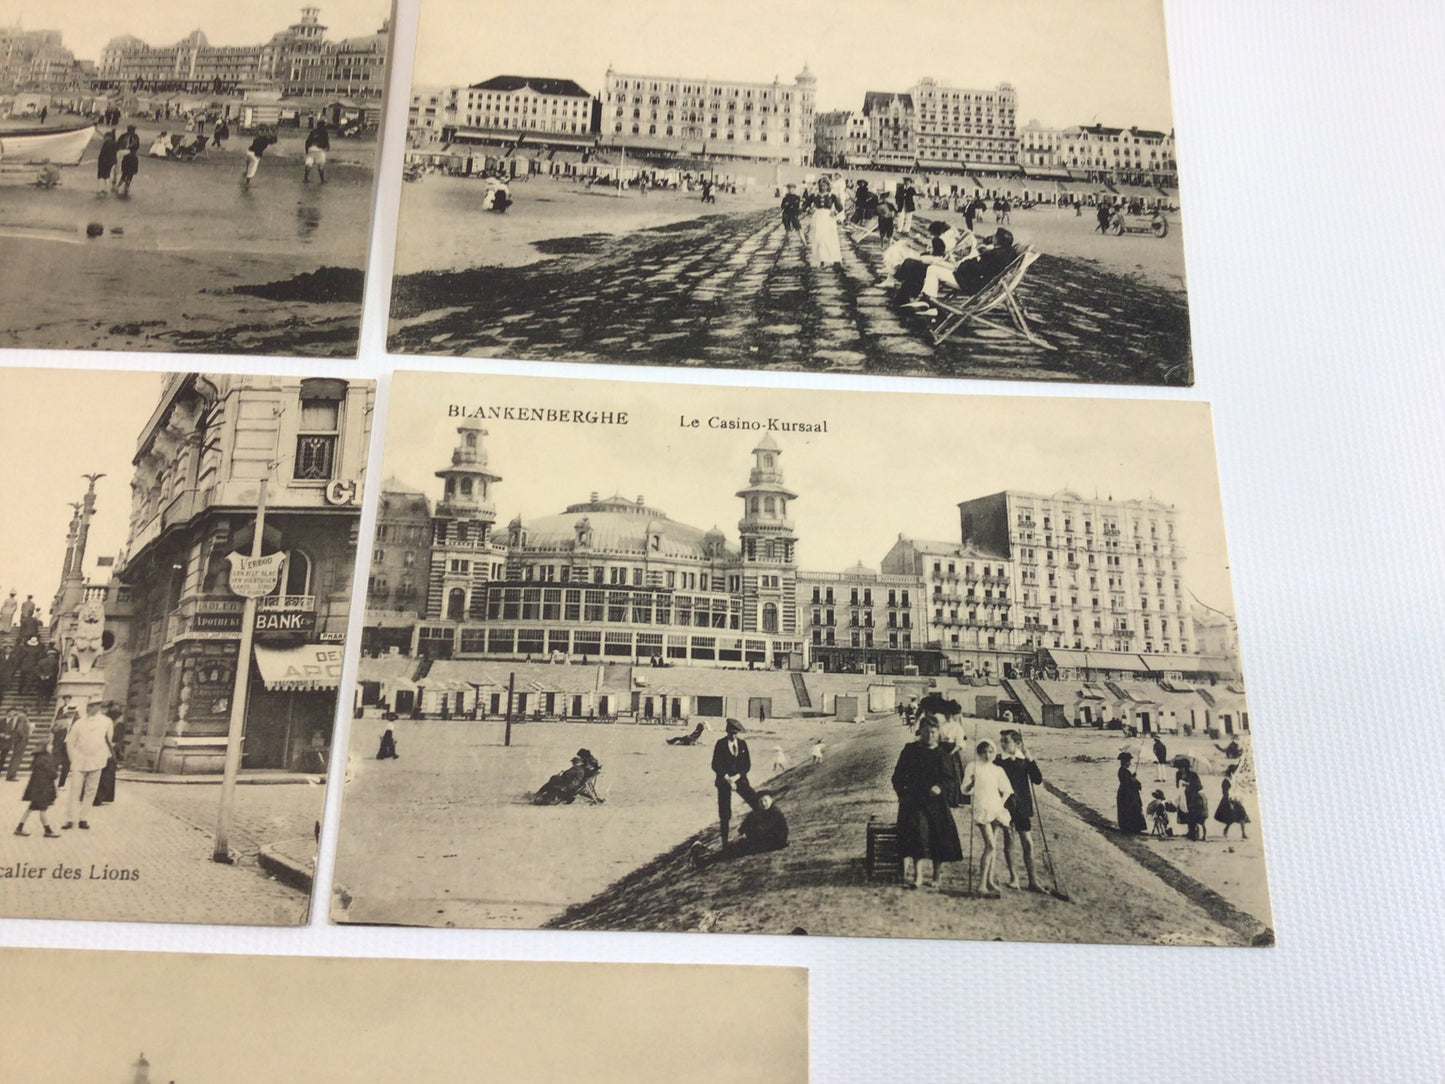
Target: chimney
pixel 594 496
pixel 639 498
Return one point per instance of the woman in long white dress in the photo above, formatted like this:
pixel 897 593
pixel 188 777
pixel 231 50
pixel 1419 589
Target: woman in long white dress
pixel 823 244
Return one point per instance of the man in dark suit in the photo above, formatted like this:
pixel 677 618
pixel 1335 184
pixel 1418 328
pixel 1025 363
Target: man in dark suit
pixel 731 764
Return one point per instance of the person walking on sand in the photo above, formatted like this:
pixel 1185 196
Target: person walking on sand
pixel 824 248
pixel 989 792
pixel 253 156
pixel 317 144
pixel 730 765
pixel 817 751
pixel 1023 775
pixel 1161 758
pixel 791 205
pixel 905 197
pixel 90 744
pixel 387 749
pixel 780 759
pixel 105 163
pixel 129 167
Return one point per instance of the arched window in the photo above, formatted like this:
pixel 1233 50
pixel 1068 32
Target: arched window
pixel 466 487
pixel 298 573
pixel 754 505
pixel 769 505
pixel 770 617
pixel 456 604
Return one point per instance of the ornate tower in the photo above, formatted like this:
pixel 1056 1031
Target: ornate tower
pixel 807 84
pixel 462 546
pixel 769 546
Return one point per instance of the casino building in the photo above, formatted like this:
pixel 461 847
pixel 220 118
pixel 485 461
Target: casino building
pixel 197 471
pixel 609 579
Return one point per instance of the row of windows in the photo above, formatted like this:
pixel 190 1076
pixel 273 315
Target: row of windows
pixel 697 133
pixel 863 638
pixel 716 92
pixel 593 643
pixel 622 607
pixel 896 597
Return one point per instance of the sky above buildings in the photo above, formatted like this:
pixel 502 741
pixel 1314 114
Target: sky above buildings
pixel 60 424
pixel 1071 61
pixel 88 24
pixel 889 463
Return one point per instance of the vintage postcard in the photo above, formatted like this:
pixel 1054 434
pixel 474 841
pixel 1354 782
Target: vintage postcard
pixel 184 1018
pixel 658 657
pixel 195 176
pixel 985 188
pixel 176 570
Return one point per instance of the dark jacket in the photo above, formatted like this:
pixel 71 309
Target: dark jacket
pixel 765 829
pixel 725 763
pixel 1021 773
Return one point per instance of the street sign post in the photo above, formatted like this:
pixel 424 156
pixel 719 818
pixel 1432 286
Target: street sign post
pixel 249 578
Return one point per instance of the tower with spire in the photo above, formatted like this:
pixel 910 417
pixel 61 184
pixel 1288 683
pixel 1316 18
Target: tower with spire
pixel 462 548
pixel 769 546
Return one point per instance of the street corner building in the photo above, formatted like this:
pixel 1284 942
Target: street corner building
pixel 199 465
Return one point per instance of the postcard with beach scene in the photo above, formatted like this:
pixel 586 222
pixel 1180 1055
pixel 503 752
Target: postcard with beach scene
pixel 686 658
pixel 189 177
pixel 153 1017
pixel 984 188
pixel 176 564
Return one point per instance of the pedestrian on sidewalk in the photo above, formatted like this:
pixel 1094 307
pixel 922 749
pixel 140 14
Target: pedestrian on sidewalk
pixel 39 792
pixel 59 731
pixel 17 725
pixel 90 744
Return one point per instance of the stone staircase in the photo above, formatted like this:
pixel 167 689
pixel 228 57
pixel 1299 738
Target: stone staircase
pixel 39 707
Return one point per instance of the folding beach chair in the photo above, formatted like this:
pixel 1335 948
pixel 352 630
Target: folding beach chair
pixel 961 310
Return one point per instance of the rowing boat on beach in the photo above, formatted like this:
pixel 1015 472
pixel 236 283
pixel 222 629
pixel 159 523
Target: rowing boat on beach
pixel 31 146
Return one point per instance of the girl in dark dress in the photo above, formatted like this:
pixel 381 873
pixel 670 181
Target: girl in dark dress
pixel 39 792
pixel 1128 803
pixel 387 749
pixel 105 162
pixel 924 779
pixel 1230 811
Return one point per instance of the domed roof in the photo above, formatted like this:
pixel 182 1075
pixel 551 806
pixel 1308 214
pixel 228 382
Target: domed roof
pixel 623 527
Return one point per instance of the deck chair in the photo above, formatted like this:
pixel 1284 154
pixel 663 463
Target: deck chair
pixel 961 310
pixel 857 230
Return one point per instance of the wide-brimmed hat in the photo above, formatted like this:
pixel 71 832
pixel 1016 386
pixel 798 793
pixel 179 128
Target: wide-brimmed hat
pixel 1156 794
pixel 1126 756
pixel 735 727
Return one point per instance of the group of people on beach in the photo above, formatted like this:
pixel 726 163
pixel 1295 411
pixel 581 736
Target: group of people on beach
pixel 956 258
pixel 118 160
pixel 1189 806
pixel 931 780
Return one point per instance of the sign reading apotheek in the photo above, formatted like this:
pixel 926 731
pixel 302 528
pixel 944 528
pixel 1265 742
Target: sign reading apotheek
pixel 253 577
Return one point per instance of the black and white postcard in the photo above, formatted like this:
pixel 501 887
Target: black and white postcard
pixel 690 658
pixel 176 564
pixel 194 177
pixel 157 1017
pixel 985 188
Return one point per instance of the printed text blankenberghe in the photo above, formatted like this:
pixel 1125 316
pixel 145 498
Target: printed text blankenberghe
pixel 538 414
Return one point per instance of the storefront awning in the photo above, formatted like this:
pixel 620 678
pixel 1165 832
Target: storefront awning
pixel 307 668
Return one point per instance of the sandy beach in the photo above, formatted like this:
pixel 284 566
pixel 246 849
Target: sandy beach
pixel 577 274
pixel 192 260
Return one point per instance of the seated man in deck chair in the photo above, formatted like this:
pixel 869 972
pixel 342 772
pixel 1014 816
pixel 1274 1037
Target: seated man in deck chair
pixel 688 739
pixel 578 781
pixel 969 276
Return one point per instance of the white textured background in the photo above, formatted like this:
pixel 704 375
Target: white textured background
pixel 1309 146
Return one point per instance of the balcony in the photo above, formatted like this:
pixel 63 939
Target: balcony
pixel 274 603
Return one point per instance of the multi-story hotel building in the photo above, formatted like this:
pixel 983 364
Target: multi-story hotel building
pixel 1139 156
pixel 506 107
pixel 198 467
pixel 298 61
pixel 37 60
pixel 841 138
pixel 432 111
pixel 940 126
pixel 679 114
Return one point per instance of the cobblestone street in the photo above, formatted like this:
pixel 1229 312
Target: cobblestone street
pixel 162 835
pixel 736 292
